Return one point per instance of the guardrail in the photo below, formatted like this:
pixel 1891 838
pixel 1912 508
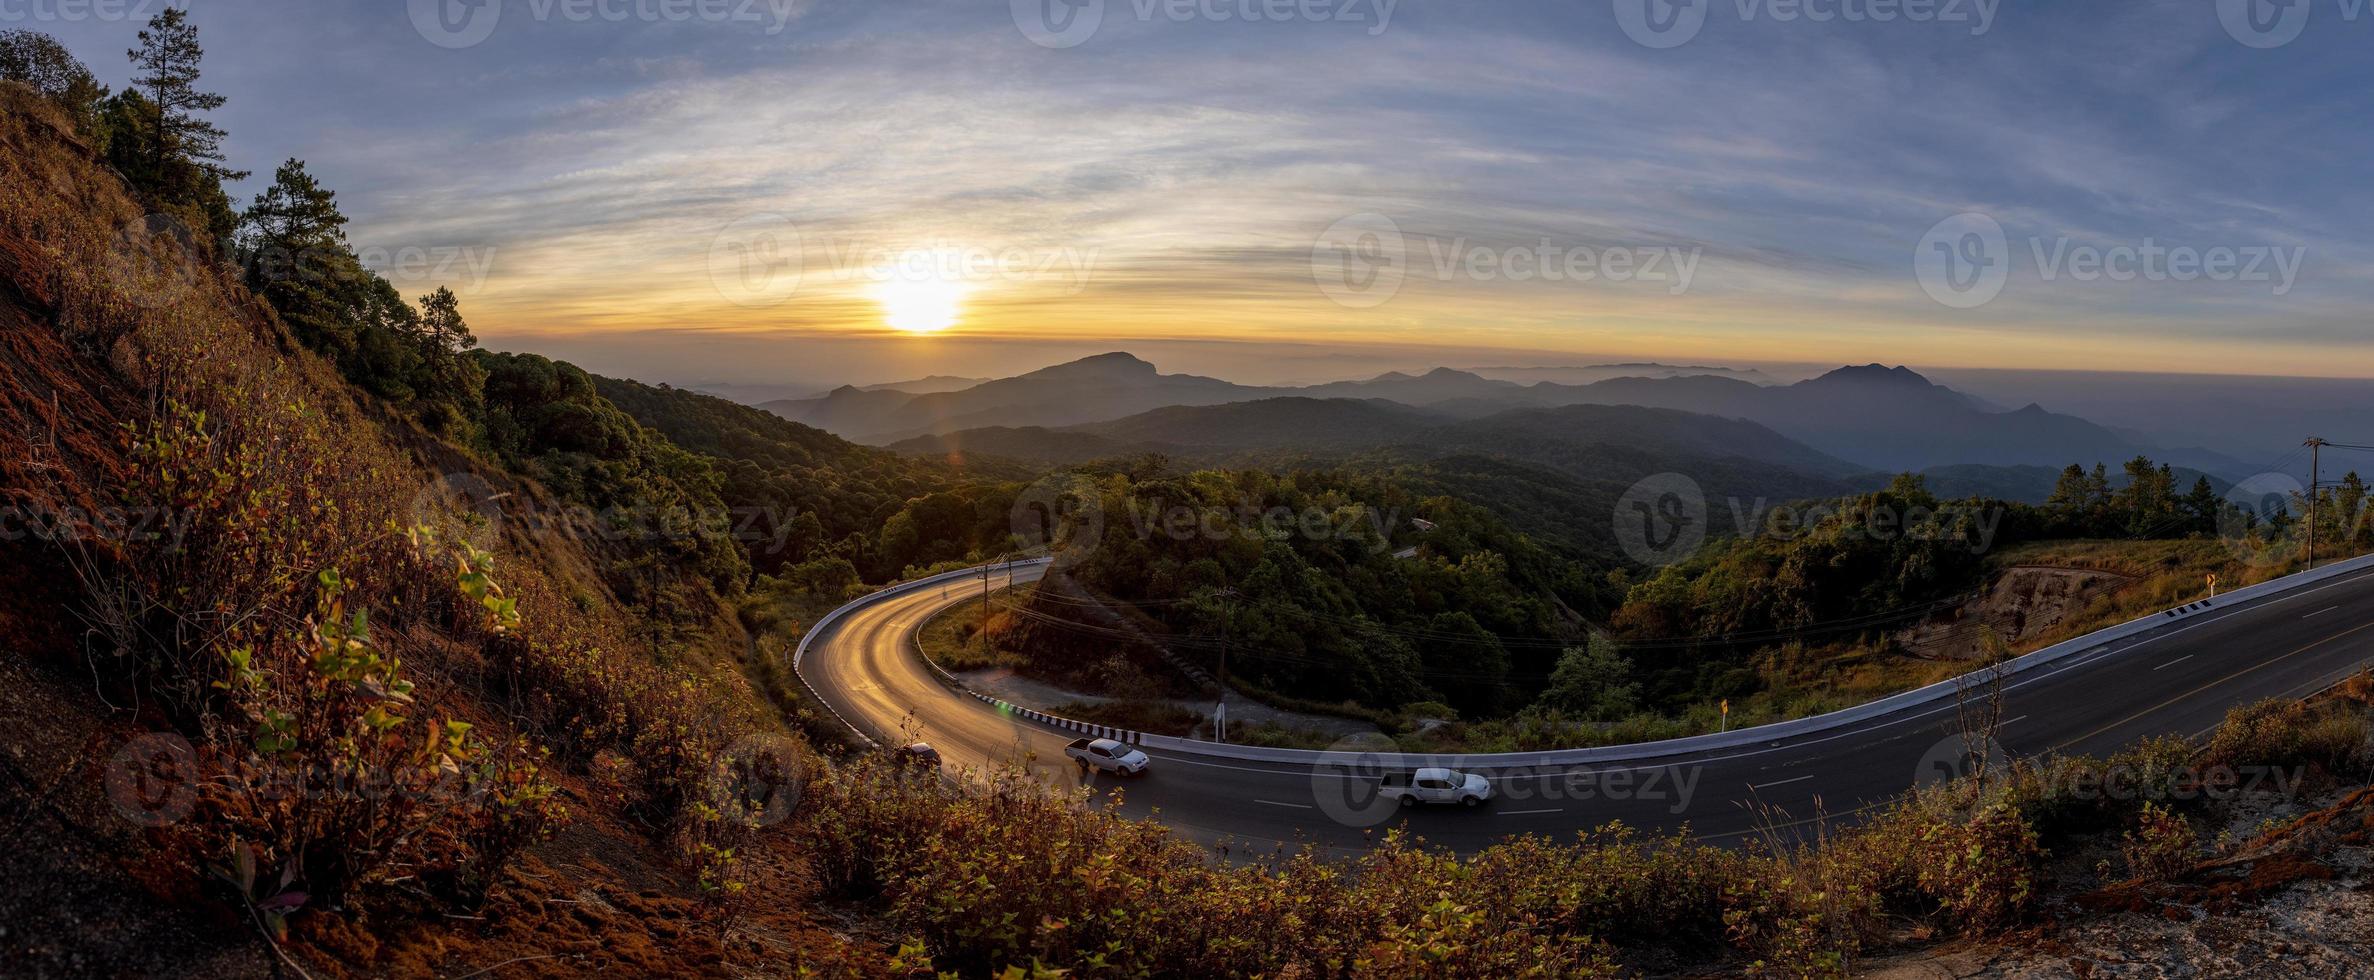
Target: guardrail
pixel 1637 750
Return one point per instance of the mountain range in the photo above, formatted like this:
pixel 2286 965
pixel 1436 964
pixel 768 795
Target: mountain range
pixel 1866 418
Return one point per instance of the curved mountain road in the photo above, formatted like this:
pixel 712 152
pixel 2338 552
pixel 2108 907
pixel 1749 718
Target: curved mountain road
pixel 2178 679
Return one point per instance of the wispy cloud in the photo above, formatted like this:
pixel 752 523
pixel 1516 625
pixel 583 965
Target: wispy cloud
pixel 1197 164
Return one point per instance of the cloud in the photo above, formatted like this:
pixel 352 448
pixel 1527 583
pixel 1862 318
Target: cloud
pixel 1196 163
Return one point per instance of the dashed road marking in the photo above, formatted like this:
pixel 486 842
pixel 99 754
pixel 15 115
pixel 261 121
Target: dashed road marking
pixel 2174 662
pixel 1782 782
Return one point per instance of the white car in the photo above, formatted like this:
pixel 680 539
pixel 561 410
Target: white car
pixel 1107 755
pixel 1435 786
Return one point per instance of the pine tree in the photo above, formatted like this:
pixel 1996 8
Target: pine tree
pixel 441 319
pixel 2069 501
pixel 2203 506
pixel 167 62
pixel 296 214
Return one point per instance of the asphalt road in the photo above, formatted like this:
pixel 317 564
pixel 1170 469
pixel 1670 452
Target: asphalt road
pixel 2180 680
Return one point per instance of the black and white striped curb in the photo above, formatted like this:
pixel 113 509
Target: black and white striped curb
pixel 1122 735
pixel 2188 608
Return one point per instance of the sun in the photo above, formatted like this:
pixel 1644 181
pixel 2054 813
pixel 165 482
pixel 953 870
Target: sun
pixel 920 305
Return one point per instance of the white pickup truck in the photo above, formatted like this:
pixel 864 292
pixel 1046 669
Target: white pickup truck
pixel 1107 755
pixel 1435 786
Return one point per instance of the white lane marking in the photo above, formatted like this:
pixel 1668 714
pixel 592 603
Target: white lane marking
pixel 1298 806
pixel 1520 813
pixel 2012 722
pixel 2174 662
pixel 1782 782
pixel 2321 612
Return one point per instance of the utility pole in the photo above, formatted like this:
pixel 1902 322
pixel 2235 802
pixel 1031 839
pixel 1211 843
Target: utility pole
pixel 986 652
pixel 2314 445
pixel 1227 635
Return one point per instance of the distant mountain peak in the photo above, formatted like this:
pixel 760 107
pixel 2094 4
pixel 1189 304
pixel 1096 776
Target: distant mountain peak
pixel 1876 372
pixel 1115 364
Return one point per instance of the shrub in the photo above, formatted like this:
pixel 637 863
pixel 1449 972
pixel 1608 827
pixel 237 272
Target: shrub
pixel 2160 847
pixel 1981 871
pixel 329 786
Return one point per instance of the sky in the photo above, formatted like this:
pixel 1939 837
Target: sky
pixel 813 191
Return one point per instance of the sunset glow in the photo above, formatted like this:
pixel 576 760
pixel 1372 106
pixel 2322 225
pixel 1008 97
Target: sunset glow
pixel 920 305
